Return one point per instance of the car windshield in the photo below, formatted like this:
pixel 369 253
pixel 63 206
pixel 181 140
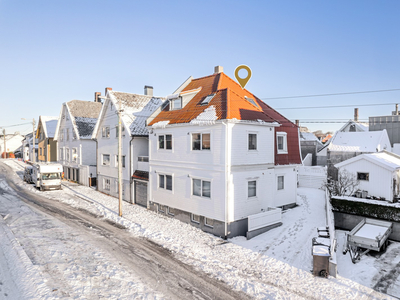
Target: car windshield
pixel 50 176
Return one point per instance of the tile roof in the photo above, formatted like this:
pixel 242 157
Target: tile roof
pixel 136 109
pixel 143 175
pixel 85 114
pixel 229 102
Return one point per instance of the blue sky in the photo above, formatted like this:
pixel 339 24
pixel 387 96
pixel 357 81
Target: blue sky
pixel 56 51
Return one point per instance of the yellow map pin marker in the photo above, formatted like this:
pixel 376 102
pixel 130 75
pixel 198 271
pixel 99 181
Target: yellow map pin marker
pixel 243 81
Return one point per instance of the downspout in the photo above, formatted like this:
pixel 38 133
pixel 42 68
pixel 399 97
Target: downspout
pixel 130 170
pixel 226 180
pixel 97 164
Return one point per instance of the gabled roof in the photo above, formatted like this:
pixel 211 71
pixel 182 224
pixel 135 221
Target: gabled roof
pixel 230 101
pixel 385 159
pixel 309 136
pixel 135 110
pixel 370 141
pixel 49 125
pixel 83 115
pixel 359 125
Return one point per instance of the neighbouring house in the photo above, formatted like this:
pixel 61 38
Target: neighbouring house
pixel 29 151
pixel 377 173
pixel 345 145
pixel 76 149
pixel 310 145
pixel 221 159
pixel 392 125
pixel 135 109
pixel 11 142
pixel 47 147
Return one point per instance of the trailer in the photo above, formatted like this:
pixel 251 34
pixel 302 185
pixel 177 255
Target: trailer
pixel 369 234
pixel 47 176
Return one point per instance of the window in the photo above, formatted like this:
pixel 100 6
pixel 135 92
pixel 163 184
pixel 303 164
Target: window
pixel 201 188
pixel 200 141
pixel 123 161
pixel 252 141
pixel 252 188
pixel 116 130
pixel 352 128
pixel 74 155
pixel 161 208
pixel 195 218
pixel 251 101
pixel 67 154
pixel 105 132
pixel 165 182
pixel 67 134
pixel 176 103
pixel 362 176
pixel 170 211
pixel 73 135
pixel 281 182
pixel 61 154
pixel 281 141
pixel 62 135
pixel 207 99
pixel 106 184
pixel 209 222
pixel 165 141
pixel 105 158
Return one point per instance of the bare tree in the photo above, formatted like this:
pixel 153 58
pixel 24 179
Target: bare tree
pixel 346 184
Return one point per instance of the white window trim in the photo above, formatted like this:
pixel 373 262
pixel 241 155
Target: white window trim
pixel 248 140
pixel 201 141
pixel 165 142
pixel 202 179
pixel 75 160
pixel 192 219
pixel 104 132
pixel 116 161
pixel 67 155
pixel 285 147
pixel 162 208
pixel 102 159
pixel 208 225
pixel 165 182
pixel 109 184
pixel 277 182
pixel 256 196
pixel 169 211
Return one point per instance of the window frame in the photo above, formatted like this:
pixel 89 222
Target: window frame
pixel 74 159
pixel 116 161
pixel 248 189
pixel 366 176
pixel 248 141
pixel 283 135
pixel 165 142
pixel 201 187
pixel 106 186
pixel 67 131
pixel 192 218
pixel 105 132
pixel 67 154
pixel 207 224
pixel 102 159
pixel 164 181
pixel 116 131
pixel 278 188
pixel 62 135
pixel 173 101
pixel 201 141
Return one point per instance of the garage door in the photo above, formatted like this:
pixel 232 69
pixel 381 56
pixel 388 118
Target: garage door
pixel 141 193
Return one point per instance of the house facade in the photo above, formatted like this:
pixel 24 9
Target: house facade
pixel 47 147
pixel 377 173
pixel 220 157
pixel 135 109
pixel 76 149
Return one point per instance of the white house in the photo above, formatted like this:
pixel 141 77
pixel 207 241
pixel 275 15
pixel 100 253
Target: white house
pixel 135 110
pixel 377 173
pixel 76 149
pixel 221 159
pixel 12 142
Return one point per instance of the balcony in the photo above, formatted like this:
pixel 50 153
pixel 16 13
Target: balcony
pixel 143 163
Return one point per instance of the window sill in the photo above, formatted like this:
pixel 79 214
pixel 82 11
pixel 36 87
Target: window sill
pixel 282 152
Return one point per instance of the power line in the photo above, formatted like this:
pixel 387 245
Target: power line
pixel 336 106
pixel 333 94
pixel 15 125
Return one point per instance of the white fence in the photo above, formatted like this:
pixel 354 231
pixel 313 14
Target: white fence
pixel 311 177
pixel 330 222
pixel 269 217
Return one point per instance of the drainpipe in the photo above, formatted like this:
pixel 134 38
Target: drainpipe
pixel 227 185
pixel 130 169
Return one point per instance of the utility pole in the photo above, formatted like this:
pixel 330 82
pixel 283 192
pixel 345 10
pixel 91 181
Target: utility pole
pixel 5 149
pixel 33 141
pixel 120 158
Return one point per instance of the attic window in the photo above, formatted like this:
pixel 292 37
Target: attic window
pixel 207 99
pixel 251 101
pixel 176 103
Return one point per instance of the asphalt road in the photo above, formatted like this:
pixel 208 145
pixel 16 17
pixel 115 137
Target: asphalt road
pixel 155 266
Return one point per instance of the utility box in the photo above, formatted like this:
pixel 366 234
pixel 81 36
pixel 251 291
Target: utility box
pixel 321 255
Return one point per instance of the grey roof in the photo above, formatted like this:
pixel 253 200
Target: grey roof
pixel 85 114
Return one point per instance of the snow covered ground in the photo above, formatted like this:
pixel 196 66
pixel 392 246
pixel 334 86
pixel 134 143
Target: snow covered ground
pixel 274 265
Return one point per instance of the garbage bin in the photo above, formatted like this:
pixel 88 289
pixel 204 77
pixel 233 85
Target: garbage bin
pixel 321 257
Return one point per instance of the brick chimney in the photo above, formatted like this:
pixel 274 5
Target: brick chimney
pixel 96 96
pixel 297 123
pixel 218 69
pixel 148 90
pixel 356 114
pixel 107 89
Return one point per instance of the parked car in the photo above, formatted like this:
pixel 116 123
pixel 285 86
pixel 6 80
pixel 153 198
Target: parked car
pixel 28 174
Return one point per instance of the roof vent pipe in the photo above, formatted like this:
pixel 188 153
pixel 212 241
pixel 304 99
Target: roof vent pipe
pixel 356 114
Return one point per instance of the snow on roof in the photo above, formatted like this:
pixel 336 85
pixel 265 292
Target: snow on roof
pixel 136 109
pixel 386 159
pixel 209 116
pixel 369 141
pixel 360 126
pixel 85 115
pixel 308 136
pixel 49 125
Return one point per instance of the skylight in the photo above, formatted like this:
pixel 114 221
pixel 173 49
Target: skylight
pixel 207 99
pixel 164 105
pixel 251 101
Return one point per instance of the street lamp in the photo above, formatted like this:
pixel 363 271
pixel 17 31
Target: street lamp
pixel 33 139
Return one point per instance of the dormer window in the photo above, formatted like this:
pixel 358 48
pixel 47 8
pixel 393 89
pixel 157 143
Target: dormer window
pixel 207 99
pixel 251 101
pixel 176 103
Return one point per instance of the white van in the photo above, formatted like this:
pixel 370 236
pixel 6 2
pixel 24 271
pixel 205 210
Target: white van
pixel 47 176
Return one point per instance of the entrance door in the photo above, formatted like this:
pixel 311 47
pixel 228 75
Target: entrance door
pixel 141 193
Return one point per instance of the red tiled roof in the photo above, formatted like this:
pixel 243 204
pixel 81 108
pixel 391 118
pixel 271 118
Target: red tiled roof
pixel 143 175
pixel 230 103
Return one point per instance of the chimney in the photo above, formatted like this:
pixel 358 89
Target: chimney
pixel 107 89
pixel 218 69
pixel 397 109
pixel 96 96
pixel 148 90
pixel 297 123
pixel 356 114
